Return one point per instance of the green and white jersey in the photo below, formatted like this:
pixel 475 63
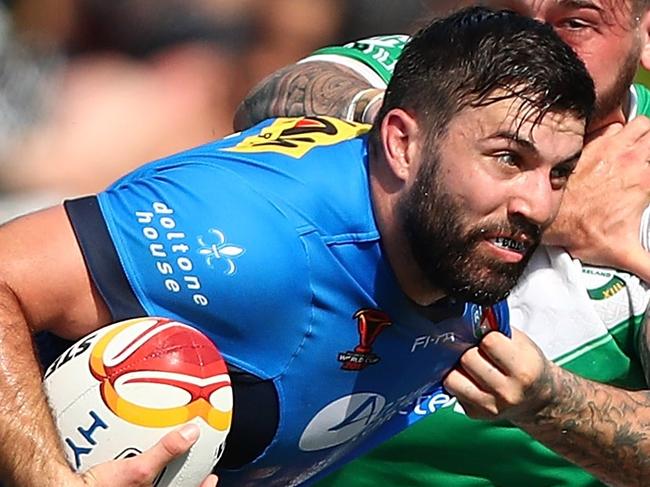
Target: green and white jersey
pixel 584 318
pixel 639 101
pixel 373 58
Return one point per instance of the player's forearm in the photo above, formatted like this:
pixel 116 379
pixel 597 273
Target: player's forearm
pixel 30 454
pixel 603 429
pixel 311 88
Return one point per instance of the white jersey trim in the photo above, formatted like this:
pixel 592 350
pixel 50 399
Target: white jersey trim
pixel 633 104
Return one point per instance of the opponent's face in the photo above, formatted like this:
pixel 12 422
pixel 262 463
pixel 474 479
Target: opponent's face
pixel 605 34
pixel 474 212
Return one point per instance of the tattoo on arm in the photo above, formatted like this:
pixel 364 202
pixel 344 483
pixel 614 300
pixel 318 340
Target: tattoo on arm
pixel 311 88
pixel 604 429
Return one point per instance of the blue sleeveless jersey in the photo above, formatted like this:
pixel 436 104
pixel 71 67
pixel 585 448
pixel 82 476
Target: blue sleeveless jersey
pixel 266 242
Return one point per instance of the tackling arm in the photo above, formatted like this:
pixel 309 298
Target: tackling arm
pixel 601 209
pixel 310 88
pixel 603 429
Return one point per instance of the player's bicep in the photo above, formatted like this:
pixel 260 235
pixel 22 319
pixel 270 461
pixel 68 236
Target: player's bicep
pixel 43 266
pixel 311 88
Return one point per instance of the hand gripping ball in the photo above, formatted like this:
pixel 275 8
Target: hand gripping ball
pixel 117 391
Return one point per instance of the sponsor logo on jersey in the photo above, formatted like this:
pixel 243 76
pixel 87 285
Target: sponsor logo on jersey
pixel 171 250
pixel 370 323
pixel 341 421
pixel 431 402
pixel 353 417
pixel 608 289
pixel 295 137
pixel 215 249
pixel 485 321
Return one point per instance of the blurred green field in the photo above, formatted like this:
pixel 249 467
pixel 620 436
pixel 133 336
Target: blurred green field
pixel 643 76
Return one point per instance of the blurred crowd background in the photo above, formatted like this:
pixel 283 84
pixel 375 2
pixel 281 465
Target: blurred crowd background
pixel 92 88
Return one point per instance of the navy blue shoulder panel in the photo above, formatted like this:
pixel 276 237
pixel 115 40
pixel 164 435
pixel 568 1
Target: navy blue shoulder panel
pixel 101 258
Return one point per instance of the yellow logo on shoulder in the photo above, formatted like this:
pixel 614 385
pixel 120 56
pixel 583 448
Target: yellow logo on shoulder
pixel 295 137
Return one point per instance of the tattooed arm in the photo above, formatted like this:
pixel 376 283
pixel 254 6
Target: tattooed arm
pixel 603 429
pixel 311 88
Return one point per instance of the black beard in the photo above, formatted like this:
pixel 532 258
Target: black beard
pixel 445 246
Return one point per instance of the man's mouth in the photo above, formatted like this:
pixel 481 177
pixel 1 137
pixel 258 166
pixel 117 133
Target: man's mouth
pixel 509 244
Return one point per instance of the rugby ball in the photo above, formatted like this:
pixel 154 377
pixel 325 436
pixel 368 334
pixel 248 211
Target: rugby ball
pixel 117 391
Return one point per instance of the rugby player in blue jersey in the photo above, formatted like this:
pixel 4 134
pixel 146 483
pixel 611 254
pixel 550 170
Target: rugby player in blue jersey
pixel 586 318
pixel 315 253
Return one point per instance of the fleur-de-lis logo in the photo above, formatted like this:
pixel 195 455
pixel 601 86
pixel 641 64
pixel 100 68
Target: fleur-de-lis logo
pixel 214 247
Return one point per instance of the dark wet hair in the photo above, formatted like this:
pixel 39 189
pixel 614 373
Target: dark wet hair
pixel 478 56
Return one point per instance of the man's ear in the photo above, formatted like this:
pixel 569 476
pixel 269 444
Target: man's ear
pixel 400 136
pixel 644 32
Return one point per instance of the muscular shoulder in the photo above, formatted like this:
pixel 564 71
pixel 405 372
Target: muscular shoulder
pixel 293 168
pixel 221 257
pixel 216 235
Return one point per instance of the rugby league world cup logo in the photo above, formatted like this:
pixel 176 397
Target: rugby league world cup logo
pixel 370 323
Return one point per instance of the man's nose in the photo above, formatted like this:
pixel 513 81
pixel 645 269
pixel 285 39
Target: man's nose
pixel 535 200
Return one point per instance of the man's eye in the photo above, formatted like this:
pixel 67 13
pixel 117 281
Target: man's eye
pixel 560 176
pixel 508 159
pixel 561 172
pixel 573 24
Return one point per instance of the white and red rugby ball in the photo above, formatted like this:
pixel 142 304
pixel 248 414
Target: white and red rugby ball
pixel 117 391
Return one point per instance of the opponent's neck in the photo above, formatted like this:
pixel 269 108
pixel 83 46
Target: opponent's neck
pixel 618 115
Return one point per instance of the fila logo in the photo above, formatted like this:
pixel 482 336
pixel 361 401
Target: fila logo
pixel 422 342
